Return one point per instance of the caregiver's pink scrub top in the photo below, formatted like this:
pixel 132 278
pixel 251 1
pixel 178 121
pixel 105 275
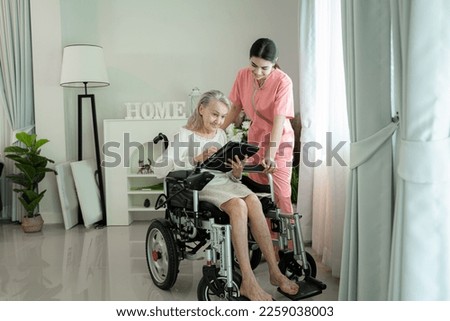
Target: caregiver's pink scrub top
pixel 274 98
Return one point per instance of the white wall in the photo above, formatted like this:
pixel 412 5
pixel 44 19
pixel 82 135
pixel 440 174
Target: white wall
pixel 155 50
pixel 49 107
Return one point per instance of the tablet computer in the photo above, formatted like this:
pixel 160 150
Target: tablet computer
pixel 218 160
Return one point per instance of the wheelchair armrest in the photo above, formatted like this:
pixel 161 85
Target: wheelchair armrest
pixel 198 180
pixel 179 175
pixel 254 186
pixel 191 179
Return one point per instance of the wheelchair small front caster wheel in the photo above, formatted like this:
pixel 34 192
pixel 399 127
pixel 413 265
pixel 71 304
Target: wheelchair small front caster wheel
pixel 161 254
pixel 215 290
pixel 297 270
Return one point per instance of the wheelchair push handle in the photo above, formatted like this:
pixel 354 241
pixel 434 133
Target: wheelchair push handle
pixel 256 186
pixel 253 168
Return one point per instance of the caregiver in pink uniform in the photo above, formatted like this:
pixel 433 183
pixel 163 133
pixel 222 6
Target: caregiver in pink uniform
pixel 264 93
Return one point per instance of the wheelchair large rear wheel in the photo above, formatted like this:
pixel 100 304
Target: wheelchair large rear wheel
pixel 215 290
pixel 161 254
pixel 297 271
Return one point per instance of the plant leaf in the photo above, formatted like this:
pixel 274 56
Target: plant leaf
pixel 41 142
pixel 27 139
pixel 28 170
pixel 15 149
pixel 20 179
pixel 30 200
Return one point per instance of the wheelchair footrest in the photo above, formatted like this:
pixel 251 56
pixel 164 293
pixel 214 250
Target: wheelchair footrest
pixel 308 287
pixel 240 298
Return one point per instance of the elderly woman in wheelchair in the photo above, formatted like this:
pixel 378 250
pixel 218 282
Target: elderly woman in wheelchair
pixel 186 221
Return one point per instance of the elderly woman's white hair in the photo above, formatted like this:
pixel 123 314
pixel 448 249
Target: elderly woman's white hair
pixel 195 121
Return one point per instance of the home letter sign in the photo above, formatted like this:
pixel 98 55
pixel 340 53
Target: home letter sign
pixel 156 110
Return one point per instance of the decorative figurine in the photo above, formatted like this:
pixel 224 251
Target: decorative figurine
pixel 145 168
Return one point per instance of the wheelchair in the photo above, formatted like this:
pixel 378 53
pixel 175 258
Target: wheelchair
pixel 192 229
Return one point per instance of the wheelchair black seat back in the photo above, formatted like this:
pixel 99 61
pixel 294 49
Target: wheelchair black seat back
pixel 192 229
pixel 180 196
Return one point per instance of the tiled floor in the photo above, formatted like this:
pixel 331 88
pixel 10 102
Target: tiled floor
pixel 99 264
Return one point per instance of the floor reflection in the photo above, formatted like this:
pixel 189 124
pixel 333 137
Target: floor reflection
pixel 95 264
pixel 26 269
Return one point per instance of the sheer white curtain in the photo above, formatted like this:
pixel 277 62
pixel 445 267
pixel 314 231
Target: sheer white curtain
pixel 16 85
pixel 325 135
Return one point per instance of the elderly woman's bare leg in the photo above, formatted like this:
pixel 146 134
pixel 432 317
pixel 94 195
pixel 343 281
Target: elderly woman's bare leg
pixel 237 211
pixel 262 236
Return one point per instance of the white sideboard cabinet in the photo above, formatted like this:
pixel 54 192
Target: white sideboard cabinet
pixel 131 195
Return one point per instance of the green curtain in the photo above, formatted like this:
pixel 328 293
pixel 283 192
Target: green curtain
pixel 16 82
pixel 369 209
pixel 397 225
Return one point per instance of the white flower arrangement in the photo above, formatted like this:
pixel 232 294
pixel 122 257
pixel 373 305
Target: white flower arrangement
pixel 238 134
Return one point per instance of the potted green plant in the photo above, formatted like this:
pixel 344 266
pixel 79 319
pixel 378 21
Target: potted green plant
pixel 32 168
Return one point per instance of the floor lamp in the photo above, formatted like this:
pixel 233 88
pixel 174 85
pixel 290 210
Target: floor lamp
pixel 84 66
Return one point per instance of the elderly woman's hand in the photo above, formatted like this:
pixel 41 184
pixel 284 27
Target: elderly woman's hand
pixel 200 158
pixel 237 165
